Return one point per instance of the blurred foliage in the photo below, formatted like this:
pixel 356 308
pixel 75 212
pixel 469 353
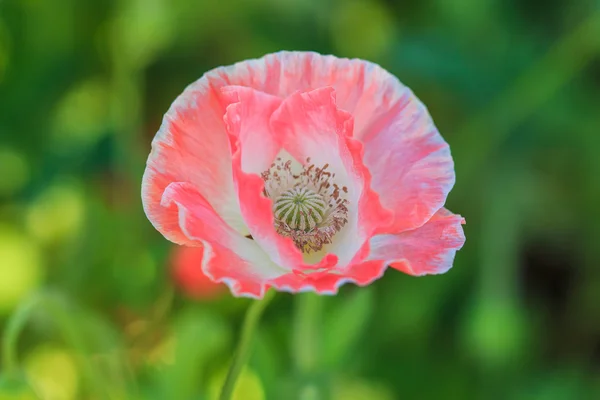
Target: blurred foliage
pixel 514 87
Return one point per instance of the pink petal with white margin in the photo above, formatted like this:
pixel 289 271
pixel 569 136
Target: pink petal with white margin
pixel 429 249
pixel 412 168
pixel 408 159
pixel 329 283
pixel 305 125
pixel 359 272
pixel 362 88
pixel 228 257
pixel 191 146
pixel 312 126
pixel 255 148
pixel 247 121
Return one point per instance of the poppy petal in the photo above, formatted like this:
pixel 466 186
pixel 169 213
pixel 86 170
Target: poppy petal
pixel 429 249
pixel 191 146
pixel 228 256
pixel 310 128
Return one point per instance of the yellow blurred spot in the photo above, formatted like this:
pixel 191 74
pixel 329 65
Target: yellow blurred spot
pixel 136 328
pixel 20 268
pixel 163 353
pixel 310 392
pixel 82 115
pixel 13 170
pixel 52 371
pixel 56 214
pixel 142 30
pixel 247 387
pixel 353 389
pixel 25 395
pixel 362 28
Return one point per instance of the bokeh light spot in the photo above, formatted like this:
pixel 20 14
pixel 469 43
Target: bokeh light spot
pixel 20 267
pixel 53 373
pixel 248 386
pixel 81 116
pixel 362 28
pixel 56 214
pixel 357 389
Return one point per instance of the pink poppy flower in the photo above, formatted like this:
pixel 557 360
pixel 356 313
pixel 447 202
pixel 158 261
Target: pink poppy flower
pixel 302 172
pixel 186 267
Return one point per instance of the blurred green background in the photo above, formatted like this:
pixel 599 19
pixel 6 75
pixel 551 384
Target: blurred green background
pixel 514 87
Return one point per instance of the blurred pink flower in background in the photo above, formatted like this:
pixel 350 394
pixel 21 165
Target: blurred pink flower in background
pixel 186 267
pixel 303 172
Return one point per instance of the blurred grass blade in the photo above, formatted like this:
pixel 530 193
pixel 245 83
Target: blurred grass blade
pixel 14 327
pixel 57 311
pixel 307 332
pixel 345 326
pixel 182 357
pixel 535 86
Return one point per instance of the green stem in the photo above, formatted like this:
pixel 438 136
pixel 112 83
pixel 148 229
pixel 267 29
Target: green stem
pixel 306 339
pixel 307 345
pixel 242 352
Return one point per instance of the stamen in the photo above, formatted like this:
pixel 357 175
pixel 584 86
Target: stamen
pixel 307 207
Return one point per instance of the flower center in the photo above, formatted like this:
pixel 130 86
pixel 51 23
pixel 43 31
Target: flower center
pixel 300 208
pixel 308 206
